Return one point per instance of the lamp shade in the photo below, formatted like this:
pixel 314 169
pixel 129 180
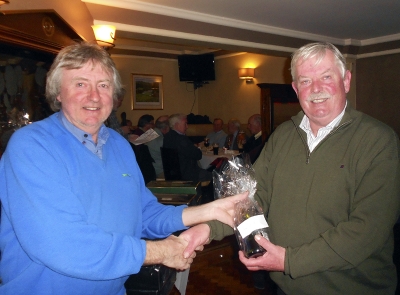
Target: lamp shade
pixel 104 34
pixel 246 73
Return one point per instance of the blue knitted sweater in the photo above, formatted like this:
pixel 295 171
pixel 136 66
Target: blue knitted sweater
pixel 72 223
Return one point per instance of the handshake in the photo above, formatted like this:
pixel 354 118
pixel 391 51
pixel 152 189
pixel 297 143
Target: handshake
pixel 179 252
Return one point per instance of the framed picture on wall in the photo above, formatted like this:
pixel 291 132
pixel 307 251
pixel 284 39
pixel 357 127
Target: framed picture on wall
pixel 147 92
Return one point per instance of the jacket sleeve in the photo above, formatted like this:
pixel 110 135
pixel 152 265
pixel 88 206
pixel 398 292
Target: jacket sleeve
pixel 219 230
pixel 261 168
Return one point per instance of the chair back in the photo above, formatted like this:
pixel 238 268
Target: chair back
pixel 170 162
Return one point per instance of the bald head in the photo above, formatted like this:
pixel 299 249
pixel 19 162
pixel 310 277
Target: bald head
pixel 254 124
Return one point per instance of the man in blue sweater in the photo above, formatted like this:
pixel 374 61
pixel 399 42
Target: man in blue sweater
pixel 76 217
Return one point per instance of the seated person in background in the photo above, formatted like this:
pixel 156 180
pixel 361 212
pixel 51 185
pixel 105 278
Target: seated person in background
pixel 254 144
pixel 233 129
pixel 130 125
pixel 189 154
pixel 217 136
pixel 162 127
pixel 142 153
pixel 145 123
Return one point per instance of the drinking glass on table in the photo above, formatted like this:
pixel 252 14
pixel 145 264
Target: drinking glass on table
pixel 215 148
pixel 206 142
pixel 229 142
pixel 241 140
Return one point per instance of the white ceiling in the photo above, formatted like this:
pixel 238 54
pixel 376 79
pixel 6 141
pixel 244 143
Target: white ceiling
pixel 342 22
pixel 343 19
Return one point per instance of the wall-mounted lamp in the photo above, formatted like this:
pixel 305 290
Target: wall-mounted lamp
pixel 246 74
pixel 4 2
pixel 105 35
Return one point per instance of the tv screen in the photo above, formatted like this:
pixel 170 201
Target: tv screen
pixel 196 68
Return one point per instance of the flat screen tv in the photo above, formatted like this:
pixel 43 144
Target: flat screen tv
pixel 196 68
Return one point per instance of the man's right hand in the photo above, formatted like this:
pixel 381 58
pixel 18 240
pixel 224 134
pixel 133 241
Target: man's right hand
pixel 168 252
pixel 196 236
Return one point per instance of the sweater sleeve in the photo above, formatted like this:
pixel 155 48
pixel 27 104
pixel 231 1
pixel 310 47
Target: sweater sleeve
pixel 160 220
pixel 374 210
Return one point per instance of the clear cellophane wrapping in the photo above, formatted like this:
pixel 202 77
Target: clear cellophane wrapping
pixel 233 177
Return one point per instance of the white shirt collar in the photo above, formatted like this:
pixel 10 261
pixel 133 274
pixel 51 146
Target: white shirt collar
pixel 256 136
pixel 312 140
pixel 305 122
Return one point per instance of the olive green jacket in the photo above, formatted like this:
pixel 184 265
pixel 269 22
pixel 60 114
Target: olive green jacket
pixel 332 209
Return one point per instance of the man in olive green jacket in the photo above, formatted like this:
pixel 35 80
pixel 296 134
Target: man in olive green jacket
pixel 328 181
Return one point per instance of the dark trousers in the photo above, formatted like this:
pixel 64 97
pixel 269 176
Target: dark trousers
pixel 396 254
pixel 279 292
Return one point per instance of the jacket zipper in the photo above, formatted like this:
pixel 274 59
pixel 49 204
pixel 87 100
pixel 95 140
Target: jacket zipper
pixel 308 155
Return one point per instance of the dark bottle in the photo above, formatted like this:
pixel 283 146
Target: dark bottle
pixel 251 248
pixel 250 221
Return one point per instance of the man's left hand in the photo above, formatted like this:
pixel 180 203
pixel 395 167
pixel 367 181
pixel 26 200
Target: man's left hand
pixel 272 260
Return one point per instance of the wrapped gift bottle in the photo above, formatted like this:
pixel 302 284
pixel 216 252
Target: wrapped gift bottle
pixel 250 221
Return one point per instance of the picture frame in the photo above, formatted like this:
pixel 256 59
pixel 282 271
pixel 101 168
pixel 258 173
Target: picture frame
pixel 147 92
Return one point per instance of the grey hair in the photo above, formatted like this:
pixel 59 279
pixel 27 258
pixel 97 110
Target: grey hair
pixel 176 118
pixel 162 124
pixel 235 122
pixel 75 57
pixel 318 51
